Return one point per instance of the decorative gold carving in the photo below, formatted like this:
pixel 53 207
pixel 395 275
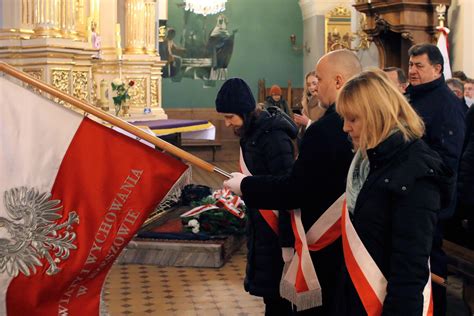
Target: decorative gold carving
pixel 138 93
pixel 339 11
pixel 162 33
pixel 364 39
pixel 338 29
pixel 441 12
pixel 60 80
pixel 154 92
pixel 36 73
pixel 408 36
pixel 80 85
pixel 94 99
pixel 338 32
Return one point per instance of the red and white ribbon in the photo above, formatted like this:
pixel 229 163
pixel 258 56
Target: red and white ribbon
pixel 270 216
pixel 368 280
pixel 300 283
pixel 224 199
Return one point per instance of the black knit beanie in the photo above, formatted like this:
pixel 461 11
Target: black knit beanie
pixel 235 97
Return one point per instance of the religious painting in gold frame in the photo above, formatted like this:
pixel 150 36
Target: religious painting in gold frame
pixel 337 29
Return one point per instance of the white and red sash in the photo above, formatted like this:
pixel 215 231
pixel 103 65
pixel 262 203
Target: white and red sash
pixel 299 282
pixel 368 280
pixel 270 216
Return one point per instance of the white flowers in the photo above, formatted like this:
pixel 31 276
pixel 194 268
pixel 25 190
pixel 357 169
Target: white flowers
pixel 195 225
pixel 117 81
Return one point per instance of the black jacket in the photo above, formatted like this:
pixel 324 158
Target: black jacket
pixel 443 115
pixel 267 149
pixel 466 165
pixel 395 217
pixel 317 179
pixel 282 105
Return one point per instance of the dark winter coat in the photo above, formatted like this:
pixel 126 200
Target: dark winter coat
pixel 282 105
pixel 317 179
pixel 267 149
pixel 443 115
pixel 466 165
pixel 395 217
pixel 463 222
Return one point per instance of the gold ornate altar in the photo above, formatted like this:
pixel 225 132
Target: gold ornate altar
pixel 76 46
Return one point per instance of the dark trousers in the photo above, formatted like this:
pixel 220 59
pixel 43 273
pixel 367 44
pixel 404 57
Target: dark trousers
pixel 276 306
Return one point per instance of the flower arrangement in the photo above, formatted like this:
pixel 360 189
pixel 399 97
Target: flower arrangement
pixel 121 91
pixel 221 213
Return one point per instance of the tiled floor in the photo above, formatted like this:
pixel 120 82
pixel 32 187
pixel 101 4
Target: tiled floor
pixel 154 290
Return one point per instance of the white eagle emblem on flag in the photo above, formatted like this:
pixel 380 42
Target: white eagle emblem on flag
pixel 32 232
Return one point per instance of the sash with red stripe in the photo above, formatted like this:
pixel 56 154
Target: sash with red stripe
pixel 270 216
pixel 300 283
pixel 368 280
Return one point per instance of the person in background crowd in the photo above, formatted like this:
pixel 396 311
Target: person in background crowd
pixel 397 76
pixel 395 186
pixel 311 110
pixel 275 99
pixel 469 91
pixel 459 75
pixel 457 87
pixel 464 216
pixel 318 175
pixel 267 149
pixel 443 116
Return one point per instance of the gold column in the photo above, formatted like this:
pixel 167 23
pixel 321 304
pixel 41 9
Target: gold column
pixel 47 18
pixel 150 32
pixel 94 12
pixel 68 18
pixel 80 18
pixel 27 13
pixel 135 27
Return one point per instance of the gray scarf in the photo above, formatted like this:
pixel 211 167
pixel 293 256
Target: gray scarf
pixel 358 172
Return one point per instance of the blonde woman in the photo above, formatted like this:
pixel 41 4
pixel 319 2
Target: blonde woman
pixel 395 187
pixel 311 110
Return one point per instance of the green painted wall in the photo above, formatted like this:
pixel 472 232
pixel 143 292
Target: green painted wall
pixel 262 49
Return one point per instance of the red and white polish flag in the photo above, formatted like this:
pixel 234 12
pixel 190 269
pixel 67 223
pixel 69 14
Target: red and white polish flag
pixel 444 49
pixel 73 193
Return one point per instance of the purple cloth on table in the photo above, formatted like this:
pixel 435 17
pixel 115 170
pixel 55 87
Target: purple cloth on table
pixel 165 124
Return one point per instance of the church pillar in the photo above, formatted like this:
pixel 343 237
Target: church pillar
pixel 150 27
pixel 68 18
pixel 135 27
pixel 107 28
pixel 47 18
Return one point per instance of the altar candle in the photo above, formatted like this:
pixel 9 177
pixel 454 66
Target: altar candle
pixel 118 40
pixel 89 29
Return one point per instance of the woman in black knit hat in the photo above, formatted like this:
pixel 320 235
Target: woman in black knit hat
pixel 266 148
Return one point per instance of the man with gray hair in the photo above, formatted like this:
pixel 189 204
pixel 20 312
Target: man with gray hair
pixel 443 116
pixel 318 176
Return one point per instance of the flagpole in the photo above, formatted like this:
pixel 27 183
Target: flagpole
pixel 113 120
